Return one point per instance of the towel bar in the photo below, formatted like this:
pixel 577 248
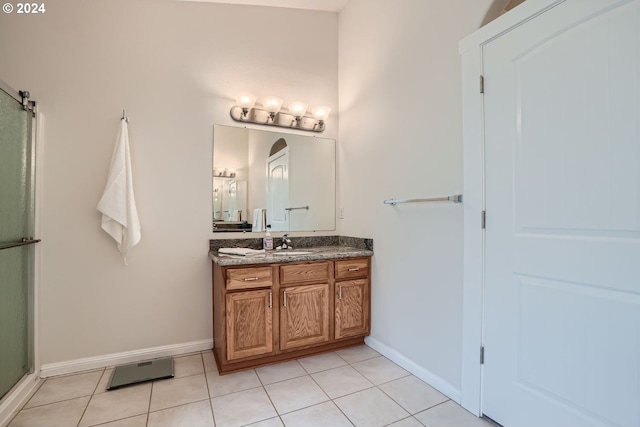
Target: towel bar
pixel 456 198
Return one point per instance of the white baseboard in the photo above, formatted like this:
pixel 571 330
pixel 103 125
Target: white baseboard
pixel 89 363
pixel 430 378
pixel 16 398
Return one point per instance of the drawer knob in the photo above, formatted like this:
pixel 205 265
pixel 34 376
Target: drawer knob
pixel 250 279
pixel 354 269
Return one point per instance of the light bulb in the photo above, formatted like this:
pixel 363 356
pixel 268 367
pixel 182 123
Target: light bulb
pixel 297 108
pixel 272 104
pixel 321 112
pixel 245 100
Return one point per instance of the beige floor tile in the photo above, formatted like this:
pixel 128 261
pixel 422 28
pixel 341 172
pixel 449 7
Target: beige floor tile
pixel 380 370
pixel 220 385
pixel 407 422
pixel 117 404
pixel 191 415
pixel 178 391
pixel 413 394
pixel 209 361
pixel 280 372
pixel 294 394
pixel 104 381
pixel 137 421
pixel 188 365
pixel 242 408
pixel 370 408
pixel 60 414
pixel 341 381
pixel 321 362
pixel 271 422
pixel 323 415
pixel 65 388
pixel 451 414
pixel 357 353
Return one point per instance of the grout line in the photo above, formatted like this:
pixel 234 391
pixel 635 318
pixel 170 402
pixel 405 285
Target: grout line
pixel 104 372
pixel 151 396
pixel 84 411
pixel 271 401
pixel 176 406
pixel 206 381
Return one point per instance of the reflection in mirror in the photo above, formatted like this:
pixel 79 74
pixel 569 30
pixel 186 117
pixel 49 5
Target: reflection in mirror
pixel 272 179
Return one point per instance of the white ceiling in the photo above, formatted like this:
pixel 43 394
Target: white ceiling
pixel 326 5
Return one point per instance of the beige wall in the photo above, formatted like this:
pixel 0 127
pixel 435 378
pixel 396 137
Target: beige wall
pixel 400 137
pixel 175 67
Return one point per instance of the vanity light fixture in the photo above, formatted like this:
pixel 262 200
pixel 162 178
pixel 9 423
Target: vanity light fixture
pixel 272 105
pixel 320 113
pixel 271 115
pixel 297 110
pixel 245 101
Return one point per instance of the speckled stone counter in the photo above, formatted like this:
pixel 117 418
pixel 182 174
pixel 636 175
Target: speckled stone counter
pixel 315 248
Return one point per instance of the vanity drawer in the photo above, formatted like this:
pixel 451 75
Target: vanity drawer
pixel 252 277
pixel 311 272
pixel 347 269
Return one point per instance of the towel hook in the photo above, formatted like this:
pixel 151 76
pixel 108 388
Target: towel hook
pixel 124 117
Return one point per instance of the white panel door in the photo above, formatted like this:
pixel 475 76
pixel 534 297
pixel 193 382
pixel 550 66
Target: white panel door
pixel 278 190
pixel 562 266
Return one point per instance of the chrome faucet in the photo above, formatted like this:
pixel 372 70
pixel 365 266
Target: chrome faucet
pixel 286 242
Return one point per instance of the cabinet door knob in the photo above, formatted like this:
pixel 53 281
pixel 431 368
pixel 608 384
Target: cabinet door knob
pixel 284 298
pixel 270 299
pixel 339 291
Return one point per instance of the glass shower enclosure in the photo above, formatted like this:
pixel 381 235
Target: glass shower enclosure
pixel 17 162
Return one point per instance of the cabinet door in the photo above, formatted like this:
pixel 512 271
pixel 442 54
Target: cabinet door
pixel 304 316
pixel 249 323
pixel 352 308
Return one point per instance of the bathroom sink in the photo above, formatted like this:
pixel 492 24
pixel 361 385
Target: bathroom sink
pixel 292 253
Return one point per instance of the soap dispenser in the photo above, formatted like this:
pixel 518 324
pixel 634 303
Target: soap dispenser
pixel 267 240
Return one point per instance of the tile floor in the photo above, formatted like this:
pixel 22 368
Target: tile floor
pixel 350 387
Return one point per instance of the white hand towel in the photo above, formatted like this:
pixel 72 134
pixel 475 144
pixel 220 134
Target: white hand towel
pixel 118 205
pixel 241 252
pixel 258 220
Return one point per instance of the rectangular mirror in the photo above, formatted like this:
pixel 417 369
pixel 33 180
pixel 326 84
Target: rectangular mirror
pixel 263 178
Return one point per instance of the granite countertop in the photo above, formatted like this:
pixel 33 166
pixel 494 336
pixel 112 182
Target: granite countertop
pixel 273 256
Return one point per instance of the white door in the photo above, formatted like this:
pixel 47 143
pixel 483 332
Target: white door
pixel 562 267
pixel 278 190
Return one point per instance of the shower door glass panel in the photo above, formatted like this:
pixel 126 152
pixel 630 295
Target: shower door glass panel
pixel 16 223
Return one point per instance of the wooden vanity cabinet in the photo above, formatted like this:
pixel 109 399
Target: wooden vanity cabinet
pixel 249 317
pixel 352 299
pixel 265 313
pixel 249 313
pixel 304 312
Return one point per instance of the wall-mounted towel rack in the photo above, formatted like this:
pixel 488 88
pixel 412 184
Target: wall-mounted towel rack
pixel 301 207
pixel 456 198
